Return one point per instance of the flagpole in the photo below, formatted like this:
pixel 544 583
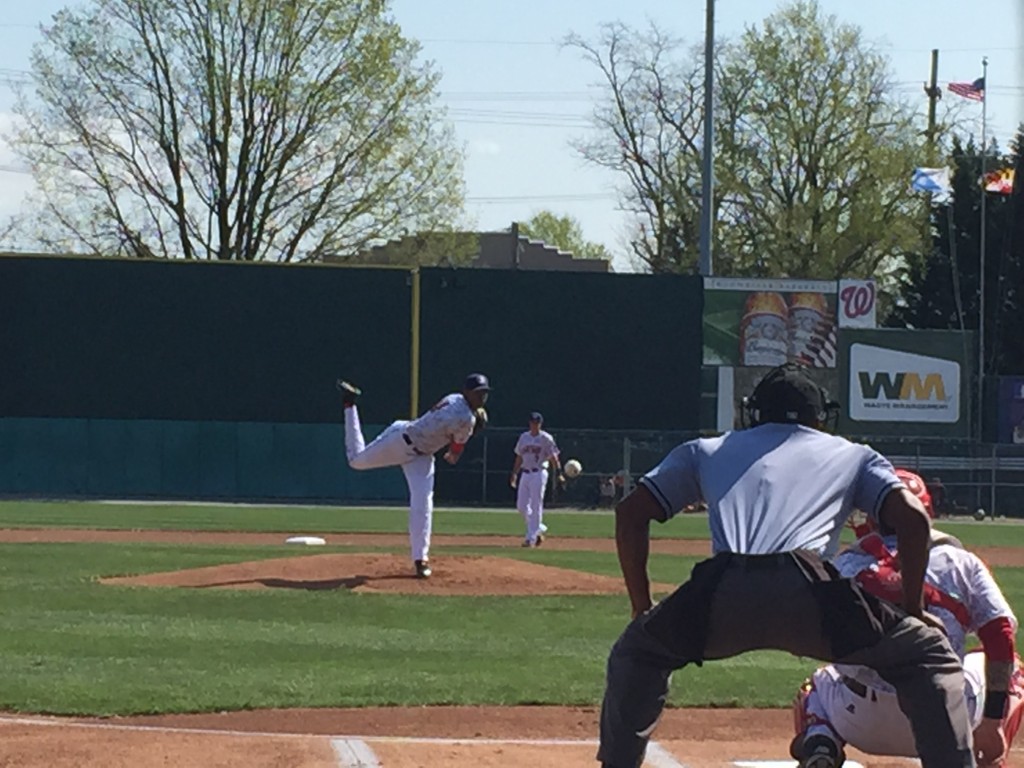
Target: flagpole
pixel 981 255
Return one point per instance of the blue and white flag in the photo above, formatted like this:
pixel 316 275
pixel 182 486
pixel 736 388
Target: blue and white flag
pixel 933 180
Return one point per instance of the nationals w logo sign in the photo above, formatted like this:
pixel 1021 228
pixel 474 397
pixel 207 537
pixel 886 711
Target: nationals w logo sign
pixel 857 306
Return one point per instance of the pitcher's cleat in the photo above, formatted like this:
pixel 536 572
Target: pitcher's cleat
pixel 349 392
pixel 422 569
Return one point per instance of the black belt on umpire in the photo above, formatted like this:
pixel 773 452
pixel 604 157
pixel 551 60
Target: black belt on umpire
pixel 759 562
pixel 408 441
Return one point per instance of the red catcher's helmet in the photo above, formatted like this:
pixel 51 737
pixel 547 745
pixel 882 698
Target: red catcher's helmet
pixel 917 487
pixel 862 526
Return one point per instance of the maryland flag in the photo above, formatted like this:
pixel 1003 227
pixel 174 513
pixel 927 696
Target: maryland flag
pixel 1000 182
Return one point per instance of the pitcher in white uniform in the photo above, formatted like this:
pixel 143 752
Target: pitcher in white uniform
pixel 411 445
pixel 850 704
pixel 535 451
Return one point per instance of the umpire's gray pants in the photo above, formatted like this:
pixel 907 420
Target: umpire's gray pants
pixel 755 609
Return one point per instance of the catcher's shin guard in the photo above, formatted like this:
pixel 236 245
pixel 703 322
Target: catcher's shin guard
pixel 804 719
pixel 801 717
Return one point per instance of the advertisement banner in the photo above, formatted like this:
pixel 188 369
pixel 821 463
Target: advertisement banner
pixel 857 304
pixel 890 385
pixel 905 383
pixel 1011 409
pixel 750 322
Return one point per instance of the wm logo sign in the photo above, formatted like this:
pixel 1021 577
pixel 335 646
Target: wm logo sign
pixel 907 385
pixel 893 385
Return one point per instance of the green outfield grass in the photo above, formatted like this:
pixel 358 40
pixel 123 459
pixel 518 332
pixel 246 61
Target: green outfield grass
pixel 70 645
pixel 325 519
pixel 313 519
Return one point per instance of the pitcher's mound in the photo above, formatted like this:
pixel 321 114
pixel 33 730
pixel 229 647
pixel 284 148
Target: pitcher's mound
pixel 387 573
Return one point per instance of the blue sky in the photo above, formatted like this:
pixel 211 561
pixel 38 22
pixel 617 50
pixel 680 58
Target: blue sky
pixel 517 99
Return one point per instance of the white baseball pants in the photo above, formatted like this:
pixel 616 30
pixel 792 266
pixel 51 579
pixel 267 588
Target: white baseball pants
pixel 389 449
pixel 874 723
pixel 530 501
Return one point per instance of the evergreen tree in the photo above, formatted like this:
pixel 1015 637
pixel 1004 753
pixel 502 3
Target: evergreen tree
pixel 941 289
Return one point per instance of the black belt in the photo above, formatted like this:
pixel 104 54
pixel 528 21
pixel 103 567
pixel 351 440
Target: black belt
pixel 408 441
pixel 528 471
pixel 858 688
pixel 757 562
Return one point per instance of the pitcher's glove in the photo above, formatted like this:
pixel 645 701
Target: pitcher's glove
pixel 481 420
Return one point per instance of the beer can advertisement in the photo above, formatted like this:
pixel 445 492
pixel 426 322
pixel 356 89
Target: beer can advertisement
pixel 749 322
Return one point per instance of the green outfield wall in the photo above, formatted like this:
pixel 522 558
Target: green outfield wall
pixel 216 380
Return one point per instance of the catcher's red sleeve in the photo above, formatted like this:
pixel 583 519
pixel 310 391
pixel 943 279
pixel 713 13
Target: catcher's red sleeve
pixel 997 639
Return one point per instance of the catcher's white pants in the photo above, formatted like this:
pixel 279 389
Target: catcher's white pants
pixel 874 723
pixel 389 449
pixel 530 501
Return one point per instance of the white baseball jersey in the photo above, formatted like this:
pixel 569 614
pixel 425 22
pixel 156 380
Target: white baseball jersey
pixel 450 420
pixel 774 488
pixel 952 571
pixel 871 720
pixel 535 450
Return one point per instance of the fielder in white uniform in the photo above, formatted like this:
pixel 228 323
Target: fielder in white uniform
pixel 534 450
pixel 411 445
pixel 855 705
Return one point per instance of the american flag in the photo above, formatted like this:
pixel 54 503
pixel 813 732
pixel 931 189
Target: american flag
pixel 820 351
pixel 974 91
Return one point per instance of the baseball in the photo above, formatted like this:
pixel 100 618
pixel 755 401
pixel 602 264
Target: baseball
pixel 573 468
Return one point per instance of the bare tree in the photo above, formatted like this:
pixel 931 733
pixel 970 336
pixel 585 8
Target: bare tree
pixel 649 129
pixel 814 150
pixel 233 129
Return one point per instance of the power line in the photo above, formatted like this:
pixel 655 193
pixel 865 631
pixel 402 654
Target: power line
pixel 475 41
pixel 579 197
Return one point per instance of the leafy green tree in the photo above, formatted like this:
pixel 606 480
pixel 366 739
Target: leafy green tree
pixel 941 290
pixel 563 232
pixel 813 152
pixel 233 130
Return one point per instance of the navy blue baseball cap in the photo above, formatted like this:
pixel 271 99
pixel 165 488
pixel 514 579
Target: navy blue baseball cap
pixel 536 416
pixel 477 381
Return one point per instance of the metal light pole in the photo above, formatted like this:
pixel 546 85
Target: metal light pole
pixel 707 214
pixel 981 255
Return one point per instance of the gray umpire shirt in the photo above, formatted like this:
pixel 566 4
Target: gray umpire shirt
pixel 774 488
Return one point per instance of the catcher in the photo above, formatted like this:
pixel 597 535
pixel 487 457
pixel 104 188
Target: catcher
pixel 844 704
pixel 411 445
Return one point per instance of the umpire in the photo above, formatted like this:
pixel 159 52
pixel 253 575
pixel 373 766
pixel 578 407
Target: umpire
pixel 778 496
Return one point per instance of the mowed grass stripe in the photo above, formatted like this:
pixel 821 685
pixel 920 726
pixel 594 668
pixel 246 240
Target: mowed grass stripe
pixel 305 519
pixel 323 520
